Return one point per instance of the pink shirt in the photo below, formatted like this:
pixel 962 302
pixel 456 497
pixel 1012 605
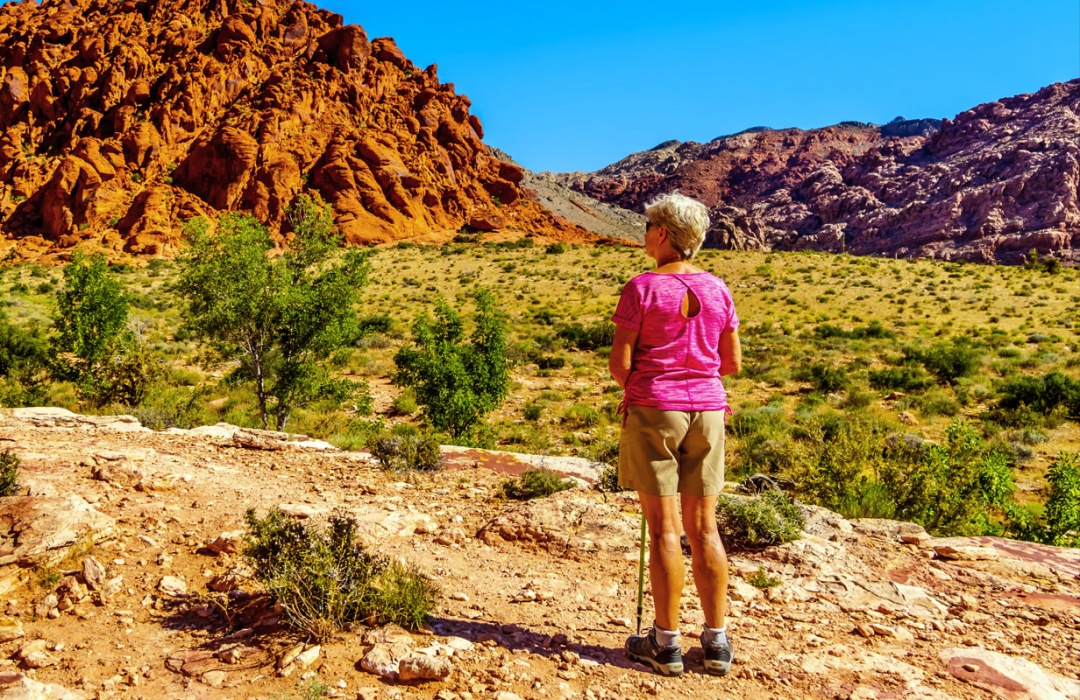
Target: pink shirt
pixel 676 361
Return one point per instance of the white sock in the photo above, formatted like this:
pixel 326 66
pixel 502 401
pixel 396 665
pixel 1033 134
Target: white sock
pixel 665 638
pixel 717 634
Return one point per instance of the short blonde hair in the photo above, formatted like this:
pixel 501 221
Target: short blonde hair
pixel 685 219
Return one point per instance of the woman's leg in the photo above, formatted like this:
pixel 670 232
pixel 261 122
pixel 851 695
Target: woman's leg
pixel 666 569
pixel 710 565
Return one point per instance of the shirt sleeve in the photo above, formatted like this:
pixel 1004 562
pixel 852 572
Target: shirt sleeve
pixel 628 311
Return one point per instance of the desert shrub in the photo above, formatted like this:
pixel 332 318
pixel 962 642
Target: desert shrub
pixel 555 248
pixel 404 450
pixel 948 361
pixel 23 361
pixel 581 416
pixel 592 337
pixel 166 407
pixel 369 325
pixel 456 382
pixel 404 404
pixel 533 411
pixel 828 379
pixel 937 403
pixel 954 488
pixel 324 579
pixel 550 362
pixel 1062 511
pixel 874 329
pixel 9 473
pixel 839 451
pixel 535 483
pixel 1043 395
pixel 899 379
pixel 760 579
pixel 753 522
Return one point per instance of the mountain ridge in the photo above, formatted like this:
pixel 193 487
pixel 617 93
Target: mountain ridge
pixel 989 185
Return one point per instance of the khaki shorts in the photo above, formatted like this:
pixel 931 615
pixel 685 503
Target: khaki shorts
pixel 664 453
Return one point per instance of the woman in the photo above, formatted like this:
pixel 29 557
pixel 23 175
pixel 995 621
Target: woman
pixel 676 336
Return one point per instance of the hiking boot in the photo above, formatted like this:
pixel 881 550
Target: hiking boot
pixel 666 661
pixel 718 656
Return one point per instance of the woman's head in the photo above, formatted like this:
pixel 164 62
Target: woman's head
pixel 686 221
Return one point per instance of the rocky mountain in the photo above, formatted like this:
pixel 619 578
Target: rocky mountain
pixel 120 120
pixel 989 185
pixel 122 576
pixel 601 218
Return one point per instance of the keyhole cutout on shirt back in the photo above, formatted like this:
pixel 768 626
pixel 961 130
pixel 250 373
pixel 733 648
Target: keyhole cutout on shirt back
pixel 691 305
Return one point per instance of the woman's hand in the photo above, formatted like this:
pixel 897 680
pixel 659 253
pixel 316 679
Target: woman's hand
pixel 730 352
pixel 622 354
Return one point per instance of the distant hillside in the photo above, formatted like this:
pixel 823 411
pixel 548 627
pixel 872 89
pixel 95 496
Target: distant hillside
pixel 120 120
pixel 990 185
pixel 600 218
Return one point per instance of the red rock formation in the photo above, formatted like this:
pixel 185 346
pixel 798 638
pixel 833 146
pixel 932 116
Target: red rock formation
pixel 990 185
pixel 121 120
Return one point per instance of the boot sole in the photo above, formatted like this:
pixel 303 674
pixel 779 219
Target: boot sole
pixel 674 669
pixel 718 668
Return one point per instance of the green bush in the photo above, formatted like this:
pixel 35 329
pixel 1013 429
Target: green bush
pixel 555 248
pixel 324 579
pixel 828 379
pixel 592 337
pixel 1062 510
pixel 1043 395
pixel 900 379
pixel 9 473
pixel 403 450
pixel 753 522
pixel 581 416
pixel 456 382
pixel 535 483
pixel 404 404
pixel 872 330
pixel 948 361
pixel 533 411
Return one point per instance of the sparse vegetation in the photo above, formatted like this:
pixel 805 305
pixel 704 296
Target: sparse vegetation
pixel 535 483
pixel 754 522
pixel 323 579
pixel 9 473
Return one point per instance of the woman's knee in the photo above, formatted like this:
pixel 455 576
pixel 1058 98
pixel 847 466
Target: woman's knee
pixel 705 540
pixel 667 540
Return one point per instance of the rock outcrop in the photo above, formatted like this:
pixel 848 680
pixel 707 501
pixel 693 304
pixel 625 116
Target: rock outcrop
pixel 122 120
pixel 989 185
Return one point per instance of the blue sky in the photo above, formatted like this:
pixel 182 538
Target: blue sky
pixel 578 85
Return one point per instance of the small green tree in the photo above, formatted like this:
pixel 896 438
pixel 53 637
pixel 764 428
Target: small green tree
pixel 282 318
pixel 1062 511
pixel 91 342
pixel 456 382
pixel 23 359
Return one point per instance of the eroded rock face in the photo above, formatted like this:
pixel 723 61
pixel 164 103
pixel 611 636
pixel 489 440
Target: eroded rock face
pixel 995 182
pixel 122 120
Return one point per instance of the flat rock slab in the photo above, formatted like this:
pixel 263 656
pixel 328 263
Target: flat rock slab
pixel 38 531
pixel 514 463
pixel 16 686
pixel 569 521
pixel 52 417
pixel 1008 677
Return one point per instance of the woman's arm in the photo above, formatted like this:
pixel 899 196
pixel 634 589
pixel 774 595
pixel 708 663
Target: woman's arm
pixel 730 352
pixel 622 354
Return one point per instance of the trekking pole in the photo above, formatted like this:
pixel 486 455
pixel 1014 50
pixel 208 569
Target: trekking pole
pixel 641 574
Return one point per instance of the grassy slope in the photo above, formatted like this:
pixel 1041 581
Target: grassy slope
pixel 780 298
